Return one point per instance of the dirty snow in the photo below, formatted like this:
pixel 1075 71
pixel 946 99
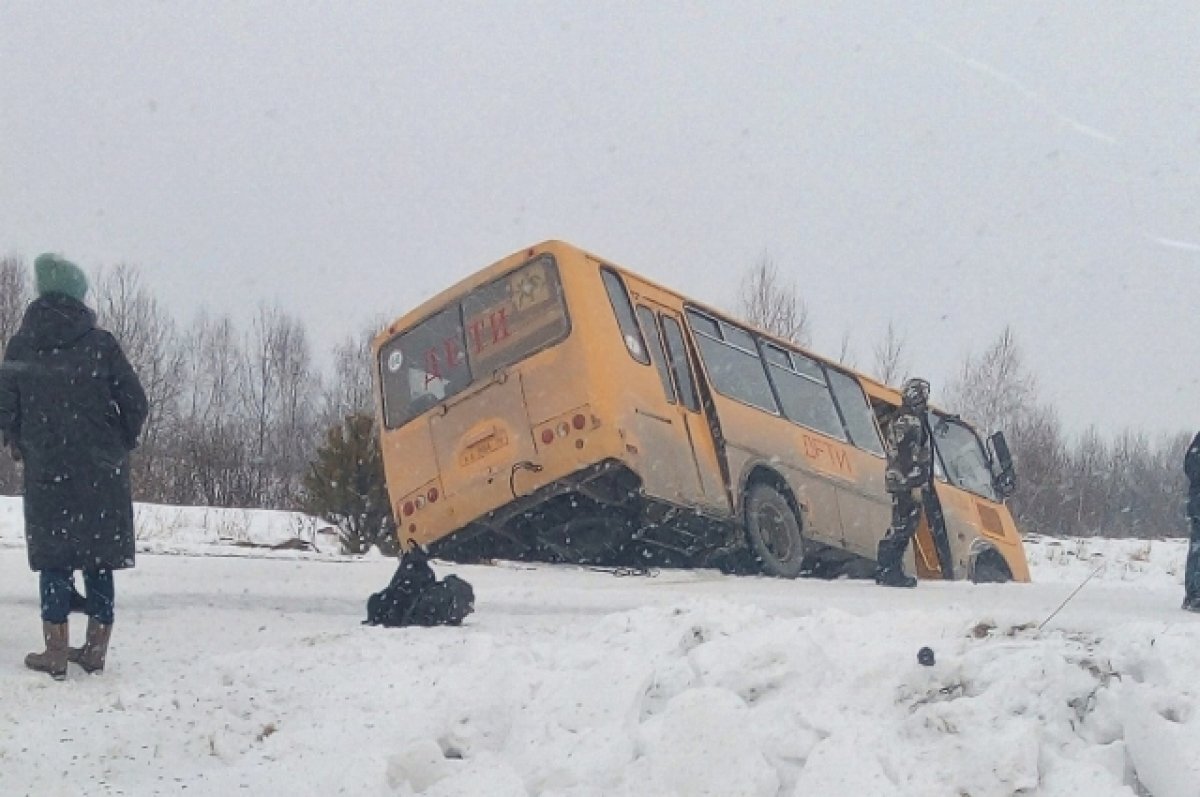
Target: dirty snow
pixel 242 669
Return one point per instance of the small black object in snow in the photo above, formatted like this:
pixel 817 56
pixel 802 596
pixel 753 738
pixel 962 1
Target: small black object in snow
pixel 925 656
pixel 416 597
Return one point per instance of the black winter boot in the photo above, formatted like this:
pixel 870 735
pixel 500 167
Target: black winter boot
pixel 894 577
pixel 53 659
pixel 889 570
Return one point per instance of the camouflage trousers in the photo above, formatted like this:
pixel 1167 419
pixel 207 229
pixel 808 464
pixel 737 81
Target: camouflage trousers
pixel 906 516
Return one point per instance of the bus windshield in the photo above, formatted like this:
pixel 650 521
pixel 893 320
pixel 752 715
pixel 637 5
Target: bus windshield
pixel 492 327
pixel 962 456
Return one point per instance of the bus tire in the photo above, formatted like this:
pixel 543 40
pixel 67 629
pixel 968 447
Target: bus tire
pixel 773 531
pixel 990 568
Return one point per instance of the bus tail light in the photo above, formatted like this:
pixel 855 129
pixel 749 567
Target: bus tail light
pixel 575 424
pixel 419 499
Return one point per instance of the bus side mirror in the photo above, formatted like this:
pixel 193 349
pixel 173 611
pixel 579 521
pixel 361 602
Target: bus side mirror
pixel 1004 473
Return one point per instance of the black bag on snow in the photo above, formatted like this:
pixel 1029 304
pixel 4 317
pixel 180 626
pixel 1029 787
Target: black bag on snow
pixel 414 596
pixel 446 602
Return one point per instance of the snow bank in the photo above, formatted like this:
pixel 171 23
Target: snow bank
pixel 204 530
pixel 1157 563
pixel 253 675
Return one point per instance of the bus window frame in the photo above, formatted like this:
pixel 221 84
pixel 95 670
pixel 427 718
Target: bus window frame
pixel 661 363
pixel 688 311
pixel 686 398
pixel 605 272
pixel 794 371
pixel 871 416
pixel 477 381
pixel 944 475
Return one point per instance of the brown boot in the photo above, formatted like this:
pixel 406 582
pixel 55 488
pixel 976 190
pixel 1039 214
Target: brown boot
pixel 53 659
pixel 91 656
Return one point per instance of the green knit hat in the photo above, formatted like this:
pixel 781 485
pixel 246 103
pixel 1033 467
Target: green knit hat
pixel 56 275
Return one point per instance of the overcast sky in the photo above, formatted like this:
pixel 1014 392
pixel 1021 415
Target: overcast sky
pixel 950 167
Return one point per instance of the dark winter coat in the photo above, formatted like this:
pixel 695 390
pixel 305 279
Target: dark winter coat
pixel 909 455
pixel 1191 467
pixel 73 408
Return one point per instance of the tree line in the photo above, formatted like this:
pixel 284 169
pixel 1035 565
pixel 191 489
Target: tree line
pixel 251 416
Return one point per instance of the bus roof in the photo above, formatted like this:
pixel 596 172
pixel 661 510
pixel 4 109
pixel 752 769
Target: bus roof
pixel 488 273
pixel 468 284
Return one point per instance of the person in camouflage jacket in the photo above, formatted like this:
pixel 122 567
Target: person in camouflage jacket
pixel 908 478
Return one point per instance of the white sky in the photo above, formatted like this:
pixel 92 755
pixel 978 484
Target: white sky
pixel 951 167
pixel 235 670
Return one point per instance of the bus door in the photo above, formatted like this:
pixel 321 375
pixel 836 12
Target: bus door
pixel 697 477
pixel 931 543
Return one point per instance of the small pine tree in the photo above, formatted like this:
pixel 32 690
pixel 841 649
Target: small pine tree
pixel 346 486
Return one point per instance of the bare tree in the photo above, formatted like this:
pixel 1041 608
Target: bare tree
pixel 845 353
pixel 890 356
pixel 212 450
pixel 1042 460
pixel 277 399
pixel 993 388
pixel 768 302
pixel 14 296
pixel 149 338
pixel 349 391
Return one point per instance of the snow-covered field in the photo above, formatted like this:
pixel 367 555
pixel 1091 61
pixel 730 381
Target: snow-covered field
pixel 244 670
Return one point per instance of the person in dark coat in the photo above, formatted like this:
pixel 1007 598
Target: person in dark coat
pixel 71 408
pixel 908 478
pixel 1191 572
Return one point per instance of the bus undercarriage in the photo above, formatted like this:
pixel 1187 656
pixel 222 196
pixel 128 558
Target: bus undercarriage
pixel 597 516
pixel 600 517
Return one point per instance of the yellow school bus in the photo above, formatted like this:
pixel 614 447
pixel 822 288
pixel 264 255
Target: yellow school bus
pixel 556 406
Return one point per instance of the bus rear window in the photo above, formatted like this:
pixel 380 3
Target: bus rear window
pixel 422 366
pixel 494 326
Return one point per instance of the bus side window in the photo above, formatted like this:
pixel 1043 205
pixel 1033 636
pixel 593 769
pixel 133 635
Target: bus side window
pixel 623 308
pixel 654 340
pixel 735 367
pixel 856 412
pixel 677 353
pixel 804 393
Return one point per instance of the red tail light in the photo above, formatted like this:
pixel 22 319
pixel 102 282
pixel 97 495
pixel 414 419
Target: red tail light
pixel 432 495
pixel 547 436
pixel 408 508
pixel 578 421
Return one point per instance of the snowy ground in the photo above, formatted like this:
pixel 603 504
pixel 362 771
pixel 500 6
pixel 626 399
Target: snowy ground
pixel 236 669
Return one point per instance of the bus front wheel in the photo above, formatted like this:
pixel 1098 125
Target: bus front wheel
pixel 773 531
pixel 990 568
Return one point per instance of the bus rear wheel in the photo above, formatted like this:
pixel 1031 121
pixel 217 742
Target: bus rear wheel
pixel 773 531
